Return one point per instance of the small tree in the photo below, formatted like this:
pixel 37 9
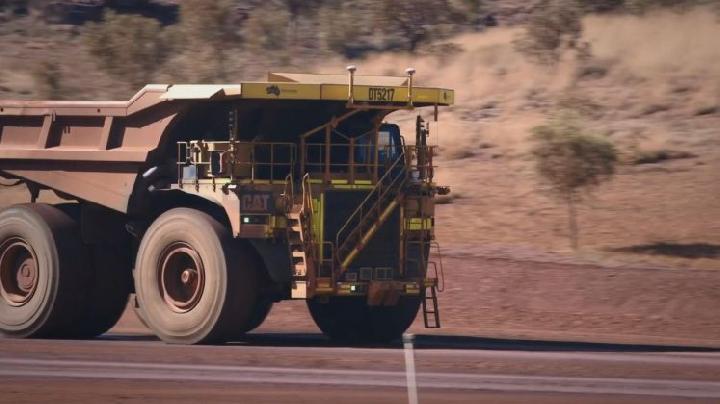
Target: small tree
pixel 572 161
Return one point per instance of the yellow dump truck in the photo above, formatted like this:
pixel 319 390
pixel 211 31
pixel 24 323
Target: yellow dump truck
pixel 205 204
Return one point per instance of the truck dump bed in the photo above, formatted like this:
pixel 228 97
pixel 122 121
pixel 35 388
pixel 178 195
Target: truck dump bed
pixel 97 151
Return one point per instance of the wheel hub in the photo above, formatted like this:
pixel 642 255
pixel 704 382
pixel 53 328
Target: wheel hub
pixel 182 277
pixel 188 276
pixel 18 271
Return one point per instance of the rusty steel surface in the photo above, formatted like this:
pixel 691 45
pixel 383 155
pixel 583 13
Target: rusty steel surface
pixel 90 150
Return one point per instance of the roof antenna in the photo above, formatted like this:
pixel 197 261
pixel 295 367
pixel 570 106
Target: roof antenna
pixel 410 73
pixel 351 71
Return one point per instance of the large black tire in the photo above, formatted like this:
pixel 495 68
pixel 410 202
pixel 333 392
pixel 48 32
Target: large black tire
pixel 254 268
pixel 260 313
pixel 351 320
pixel 189 281
pixel 108 282
pixel 41 272
pixel 108 290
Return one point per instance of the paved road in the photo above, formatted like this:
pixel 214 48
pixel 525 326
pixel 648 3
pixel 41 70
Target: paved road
pixel 305 368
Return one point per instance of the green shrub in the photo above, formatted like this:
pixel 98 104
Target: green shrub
pixel 571 161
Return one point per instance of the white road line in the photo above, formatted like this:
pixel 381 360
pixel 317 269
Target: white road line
pixel 670 358
pixel 40 368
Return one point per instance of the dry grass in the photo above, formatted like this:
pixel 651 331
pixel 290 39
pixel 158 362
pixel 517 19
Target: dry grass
pixel 645 86
pixel 660 59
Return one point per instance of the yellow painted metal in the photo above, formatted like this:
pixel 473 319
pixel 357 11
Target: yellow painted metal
pixel 339 92
pixel 418 223
pixel 340 183
pixel 350 257
pixel 277 222
pixel 318 222
pixel 344 289
pixel 285 91
pixel 256 181
pixel 388 210
pixel 412 289
pixel 324 286
pixel 354 186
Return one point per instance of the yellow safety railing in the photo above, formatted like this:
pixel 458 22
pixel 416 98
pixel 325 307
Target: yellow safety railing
pixel 267 162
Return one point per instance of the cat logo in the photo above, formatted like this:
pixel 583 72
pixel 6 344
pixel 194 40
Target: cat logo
pixel 272 90
pixel 255 202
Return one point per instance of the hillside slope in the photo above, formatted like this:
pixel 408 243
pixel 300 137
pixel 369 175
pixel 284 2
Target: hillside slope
pixel 652 86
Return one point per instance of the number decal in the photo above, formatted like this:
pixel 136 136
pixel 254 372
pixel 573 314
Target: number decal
pixel 381 94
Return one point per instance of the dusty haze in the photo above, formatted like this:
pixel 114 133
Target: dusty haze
pixel 652 83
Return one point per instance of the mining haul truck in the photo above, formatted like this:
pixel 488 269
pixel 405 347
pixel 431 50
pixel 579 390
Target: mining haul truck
pixel 203 205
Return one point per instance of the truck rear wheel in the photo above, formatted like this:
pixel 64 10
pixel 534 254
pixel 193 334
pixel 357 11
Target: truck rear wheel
pixel 351 320
pixel 189 280
pixel 40 271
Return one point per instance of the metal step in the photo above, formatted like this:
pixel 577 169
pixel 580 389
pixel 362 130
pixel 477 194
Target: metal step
pixel 431 317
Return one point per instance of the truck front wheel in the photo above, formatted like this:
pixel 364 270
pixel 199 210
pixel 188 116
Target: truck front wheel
pixel 351 320
pixel 189 280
